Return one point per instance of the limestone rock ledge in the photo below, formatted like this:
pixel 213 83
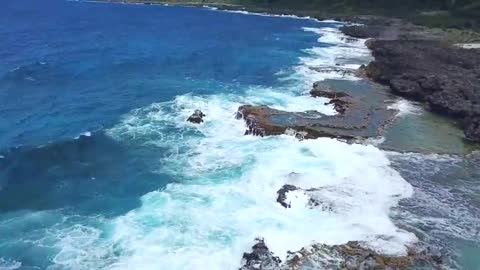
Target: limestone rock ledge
pixel 357 117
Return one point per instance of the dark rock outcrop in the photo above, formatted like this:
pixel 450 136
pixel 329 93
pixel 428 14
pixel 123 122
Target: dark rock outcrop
pixel 323 90
pixel 282 195
pixel 445 77
pixel 350 256
pixel 420 63
pixel 355 256
pixel 261 258
pixel 335 69
pixel 196 117
pixel 314 201
pixel 358 117
pixel 340 100
pixel 387 28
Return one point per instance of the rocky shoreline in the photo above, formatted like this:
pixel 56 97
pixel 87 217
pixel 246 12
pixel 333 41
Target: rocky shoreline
pixel 414 62
pixel 423 66
pixel 357 118
pixel 350 256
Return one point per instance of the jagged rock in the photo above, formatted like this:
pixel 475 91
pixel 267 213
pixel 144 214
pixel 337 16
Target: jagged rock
pixel 417 62
pixel 340 100
pixel 387 28
pixel 472 126
pixel 357 117
pixel 322 90
pixel 447 78
pixel 196 117
pixel 261 258
pixel 282 194
pixel 300 135
pixel 356 256
pixel 314 200
pixel 355 121
pixel 350 256
pixel 362 31
pixel 337 70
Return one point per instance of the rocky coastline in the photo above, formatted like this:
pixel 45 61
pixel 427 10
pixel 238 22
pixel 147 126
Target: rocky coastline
pixel 415 62
pixel 422 65
pixel 350 256
pixel 356 118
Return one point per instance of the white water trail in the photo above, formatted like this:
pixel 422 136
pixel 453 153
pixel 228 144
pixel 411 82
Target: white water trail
pixel 405 107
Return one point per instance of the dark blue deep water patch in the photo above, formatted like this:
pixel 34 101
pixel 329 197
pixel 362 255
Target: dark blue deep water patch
pixel 89 174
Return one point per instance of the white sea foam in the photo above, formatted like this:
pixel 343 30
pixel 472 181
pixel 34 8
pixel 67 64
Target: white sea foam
pixel 288 99
pixel 337 57
pixel 86 134
pixel 244 12
pixel 209 7
pixel 80 248
pixel 9 264
pixel 405 107
pixel 226 194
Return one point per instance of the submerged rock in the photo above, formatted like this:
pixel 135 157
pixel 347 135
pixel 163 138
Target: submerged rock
pixel 196 117
pixel 261 258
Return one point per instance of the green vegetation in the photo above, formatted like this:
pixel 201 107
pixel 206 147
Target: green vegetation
pixel 463 14
pixel 435 13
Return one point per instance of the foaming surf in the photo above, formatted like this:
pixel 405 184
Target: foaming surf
pixel 226 194
pixel 226 183
pixel 337 57
pixel 9 265
pixel 405 107
pixel 251 13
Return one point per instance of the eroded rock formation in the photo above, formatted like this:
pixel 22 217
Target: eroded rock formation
pixel 314 201
pixel 357 117
pixel 356 256
pixel 350 256
pixel 260 258
pixel 196 117
pixel 447 78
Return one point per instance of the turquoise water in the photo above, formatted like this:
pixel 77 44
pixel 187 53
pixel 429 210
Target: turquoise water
pixel 100 170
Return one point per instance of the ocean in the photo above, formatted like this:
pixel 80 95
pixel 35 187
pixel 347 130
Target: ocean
pixel 100 170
